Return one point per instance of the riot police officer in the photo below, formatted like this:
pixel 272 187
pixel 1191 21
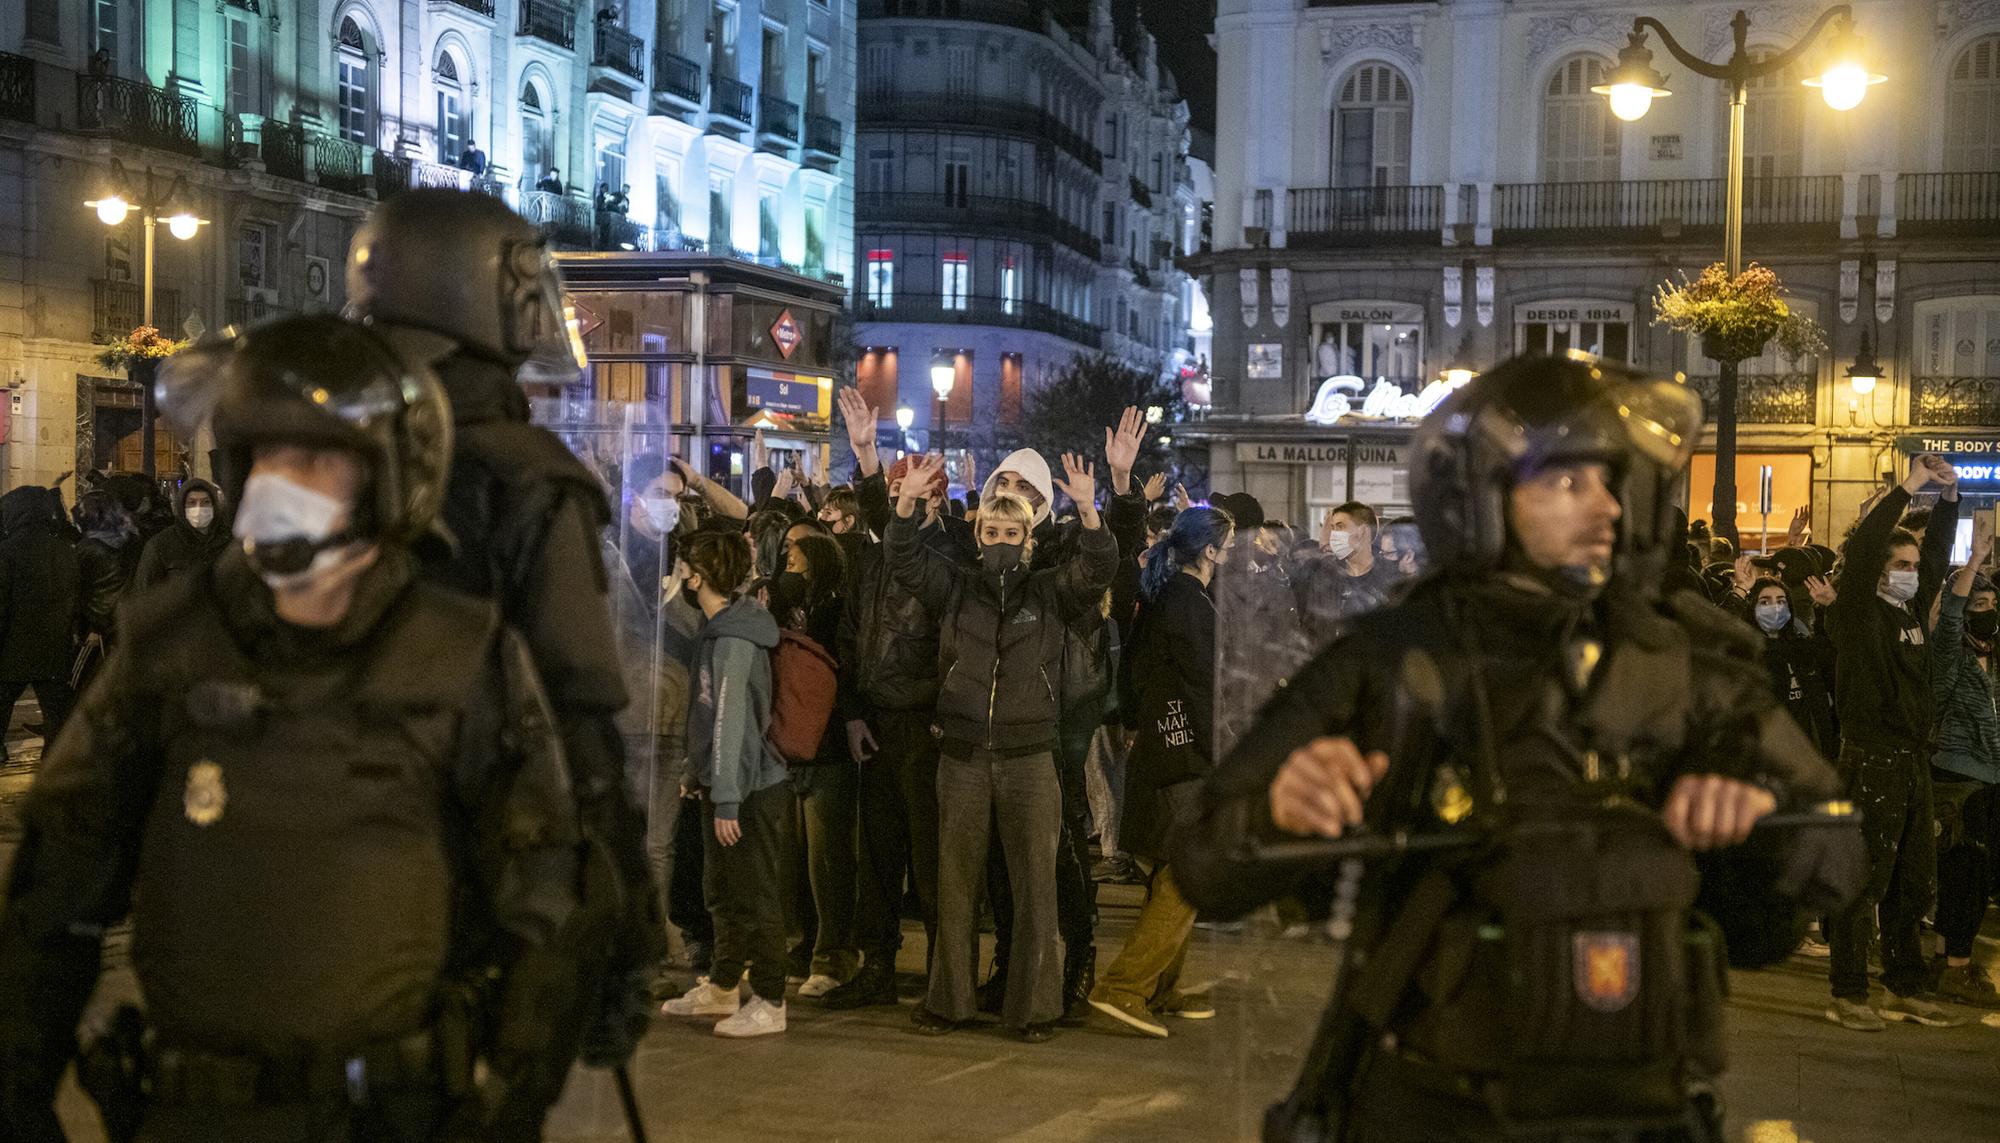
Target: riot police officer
pixel 328 793
pixel 1574 740
pixel 526 517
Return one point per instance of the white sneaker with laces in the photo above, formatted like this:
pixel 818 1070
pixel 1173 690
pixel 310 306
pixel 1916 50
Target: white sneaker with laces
pixel 760 1017
pixel 817 985
pixel 705 999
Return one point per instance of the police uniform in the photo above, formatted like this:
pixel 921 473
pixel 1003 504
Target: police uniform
pixel 345 851
pixel 1551 976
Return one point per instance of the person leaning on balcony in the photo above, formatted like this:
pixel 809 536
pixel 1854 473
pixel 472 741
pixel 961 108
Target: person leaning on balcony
pixel 551 181
pixel 472 159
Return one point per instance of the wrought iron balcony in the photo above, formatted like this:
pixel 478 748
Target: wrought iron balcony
pixel 117 308
pixel 137 113
pixel 1541 212
pixel 823 135
pixel 993 114
pixel 482 7
pixel 1764 398
pixel 17 87
pixel 1948 202
pixel 1013 312
pixel 549 22
pixel 883 209
pixel 392 175
pixel 778 119
pixel 1335 216
pixel 619 50
pixel 677 78
pixel 337 163
pixel 729 98
pixel 1955 402
pixel 284 150
pixel 240 312
pixel 562 218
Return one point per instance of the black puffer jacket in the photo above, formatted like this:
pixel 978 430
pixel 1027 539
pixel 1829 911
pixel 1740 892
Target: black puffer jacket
pixel 183 547
pixel 1001 638
pixel 106 569
pixel 888 642
pixel 38 588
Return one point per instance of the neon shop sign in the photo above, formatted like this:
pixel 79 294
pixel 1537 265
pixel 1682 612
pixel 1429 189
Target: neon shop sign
pixel 1342 397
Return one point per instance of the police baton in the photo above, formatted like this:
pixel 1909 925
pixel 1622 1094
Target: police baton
pixel 1375 846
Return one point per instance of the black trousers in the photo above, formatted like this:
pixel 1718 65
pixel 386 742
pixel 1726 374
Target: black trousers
pixel 1892 787
pixel 745 885
pixel 899 833
pixel 1076 893
pixel 1965 871
pixel 54 695
pixel 686 906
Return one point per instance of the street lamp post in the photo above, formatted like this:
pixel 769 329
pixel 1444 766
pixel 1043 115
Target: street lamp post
pixel 1631 90
pixel 183 224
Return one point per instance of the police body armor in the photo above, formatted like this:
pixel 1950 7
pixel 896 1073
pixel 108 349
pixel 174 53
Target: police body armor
pixel 302 860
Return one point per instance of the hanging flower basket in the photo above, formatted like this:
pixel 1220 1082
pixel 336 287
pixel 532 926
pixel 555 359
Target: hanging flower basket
pixel 1736 317
pixel 143 346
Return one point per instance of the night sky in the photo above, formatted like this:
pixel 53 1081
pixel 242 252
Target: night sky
pixel 1182 27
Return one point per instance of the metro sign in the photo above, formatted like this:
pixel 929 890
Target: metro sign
pixel 785 334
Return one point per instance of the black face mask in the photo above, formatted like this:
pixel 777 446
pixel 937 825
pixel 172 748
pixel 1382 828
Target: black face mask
pixel 1982 625
pixel 790 590
pixel 999 559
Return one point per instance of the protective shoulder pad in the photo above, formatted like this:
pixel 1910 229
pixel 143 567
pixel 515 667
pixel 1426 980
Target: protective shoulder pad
pixel 434 650
pixel 523 455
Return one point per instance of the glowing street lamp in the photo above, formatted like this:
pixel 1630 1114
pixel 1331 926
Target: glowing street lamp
pixel 1864 372
pixel 943 376
pixel 905 417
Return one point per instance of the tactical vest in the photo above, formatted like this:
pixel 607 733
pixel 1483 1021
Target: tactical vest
pixel 301 857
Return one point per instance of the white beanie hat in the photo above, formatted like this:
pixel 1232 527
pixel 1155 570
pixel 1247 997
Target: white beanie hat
pixel 1029 465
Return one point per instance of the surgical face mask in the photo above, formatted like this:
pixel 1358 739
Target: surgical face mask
pixel 292 534
pixel 1899 586
pixel 1340 544
pixel 662 512
pixel 1773 617
pixel 200 516
pixel 1982 625
pixel 998 559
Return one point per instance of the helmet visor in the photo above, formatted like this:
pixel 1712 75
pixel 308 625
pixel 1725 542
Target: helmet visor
pixel 558 357
pixel 1661 418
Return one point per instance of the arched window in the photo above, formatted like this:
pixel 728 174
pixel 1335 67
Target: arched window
pixel 1579 133
pixel 537 150
pixel 354 81
pixel 453 132
pixel 1371 129
pixel 1972 108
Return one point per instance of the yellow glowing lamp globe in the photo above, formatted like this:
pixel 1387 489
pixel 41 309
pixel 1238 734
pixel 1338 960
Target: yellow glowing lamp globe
pixel 183 226
pixel 1630 101
pixel 111 209
pixel 1844 84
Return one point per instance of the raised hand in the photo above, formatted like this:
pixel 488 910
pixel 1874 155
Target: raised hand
pixel 787 482
pixel 916 486
pixel 1822 592
pixel 1746 574
pixel 1154 488
pixel 1801 528
pixel 1121 447
pixel 1181 501
pixel 1079 481
pixel 861 419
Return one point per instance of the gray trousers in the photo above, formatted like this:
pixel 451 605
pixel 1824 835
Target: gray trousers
pixel 1023 797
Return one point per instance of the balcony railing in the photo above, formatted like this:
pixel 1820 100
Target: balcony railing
pixel 392 174
pixel 1337 215
pixel 1031 218
pixel 1764 398
pixel 284 150
pixel 549 22
pixel 968 111
pixel 1955 402
pixel 117 308
pixel 619 50
pixel 137 113
pixel 823 135
pixel 337 163
pixel 778 118
pixel 561 218
pixel 1589 210
pixel 482 7
pixel 1947 201
pixel 729 98
pixel 240 312
pixel 17 87
pixel 1009 13
pixel 1139 274
pixel 982 311
pixel 677 76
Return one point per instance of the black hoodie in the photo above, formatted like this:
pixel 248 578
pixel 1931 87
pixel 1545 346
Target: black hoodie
pixel 183 547
pixel 38 589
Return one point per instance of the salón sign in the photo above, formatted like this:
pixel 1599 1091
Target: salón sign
pixel 1344 396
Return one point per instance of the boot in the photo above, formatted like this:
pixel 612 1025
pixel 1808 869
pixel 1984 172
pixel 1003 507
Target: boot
pixel 1079 977
pixel 874 985
pixel 993 994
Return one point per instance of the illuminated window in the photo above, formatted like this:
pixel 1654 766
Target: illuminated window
pixel 1010 286
pixel 955 276
pixel 881 278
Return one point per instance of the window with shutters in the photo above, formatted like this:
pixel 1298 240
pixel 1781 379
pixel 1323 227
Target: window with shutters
pixel 353 81
pixel 1972 109
pixel 878 69
pixel 958 73
pixel 1579 133
pixel 1371 129
pixel 1959 337
pixel 958 178
pixel 241 87
pixel 535 146
pixel 880 173
pixel 452 130
pixel 1773 134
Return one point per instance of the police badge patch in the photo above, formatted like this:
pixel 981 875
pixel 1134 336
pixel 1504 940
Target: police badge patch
pixel 205 796
pixel 1607 969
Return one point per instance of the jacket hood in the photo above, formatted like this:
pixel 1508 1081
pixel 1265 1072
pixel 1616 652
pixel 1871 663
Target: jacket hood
pixel 196 484
pixel 1027 463
pixel 744 619
pixel 24 506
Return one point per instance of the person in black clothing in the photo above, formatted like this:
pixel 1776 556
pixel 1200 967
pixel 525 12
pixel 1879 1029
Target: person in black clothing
pixel 550 182
pixel 1883 698
pixel 1349 580
pixel 1800 661
pixel 38 607
pixel 526 516
pixel 198 533
pixel 106 559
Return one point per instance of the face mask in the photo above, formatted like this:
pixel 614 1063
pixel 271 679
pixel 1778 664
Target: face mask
pixel 200 516
pixel 1899 586
pixel 1340 544
pixel 662 512
pixel 789 590
pixel 1773 617
pixel 998 559
pixel 1982 625
pixel 291 533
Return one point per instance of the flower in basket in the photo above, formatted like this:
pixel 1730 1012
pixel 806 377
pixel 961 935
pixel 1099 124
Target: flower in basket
pixel 1735 317
pixel 141 345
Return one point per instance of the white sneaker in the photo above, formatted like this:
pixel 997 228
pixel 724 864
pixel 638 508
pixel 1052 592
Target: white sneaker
pixel 704 999
pixel 817 985
pixel 760 1017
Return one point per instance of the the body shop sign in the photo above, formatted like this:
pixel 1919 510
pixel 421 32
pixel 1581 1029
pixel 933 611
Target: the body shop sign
pixel 1976 457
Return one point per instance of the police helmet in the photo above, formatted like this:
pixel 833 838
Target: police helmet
pixel 464 265
pixel 1530 412
pixel 322 381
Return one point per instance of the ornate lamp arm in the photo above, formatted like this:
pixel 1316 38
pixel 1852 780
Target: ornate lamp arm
pixel 1739 69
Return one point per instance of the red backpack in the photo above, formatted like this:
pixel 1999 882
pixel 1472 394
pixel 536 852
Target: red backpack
pixel 803 686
